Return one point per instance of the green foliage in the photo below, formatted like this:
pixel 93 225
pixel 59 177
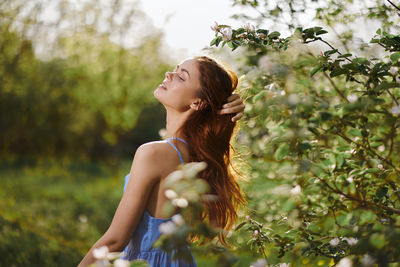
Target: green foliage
pixel 85 94
pixel 322 129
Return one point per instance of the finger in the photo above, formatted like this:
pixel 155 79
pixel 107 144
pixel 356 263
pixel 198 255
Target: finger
pixel 237 117
pixel 232 103
pixel 233 97
pixel 232 110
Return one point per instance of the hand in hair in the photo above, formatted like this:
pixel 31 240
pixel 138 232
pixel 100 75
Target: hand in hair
pixel 234 105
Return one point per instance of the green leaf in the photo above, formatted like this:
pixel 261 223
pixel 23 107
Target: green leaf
pixel 337 72
pixel 345 55
pixel 354 132
pixel 282 151
pixel 315 70
pixel 377 240
pixel 375 144
pixel 214 41
pixel 273 35
pixel 259 96
pixel 320 32
pixel 381 192
pixel 240 226
pixel 386 85
pixel 395 57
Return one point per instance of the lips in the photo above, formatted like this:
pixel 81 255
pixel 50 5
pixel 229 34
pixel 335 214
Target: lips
pixel 162 86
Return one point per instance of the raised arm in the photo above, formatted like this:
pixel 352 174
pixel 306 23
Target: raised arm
pixel 234 105
pixel 143 175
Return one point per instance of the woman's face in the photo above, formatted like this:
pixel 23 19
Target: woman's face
pixel 179 88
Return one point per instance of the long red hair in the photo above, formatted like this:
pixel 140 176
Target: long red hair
pixel 209 135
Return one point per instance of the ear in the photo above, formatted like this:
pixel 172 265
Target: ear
pixel 198 104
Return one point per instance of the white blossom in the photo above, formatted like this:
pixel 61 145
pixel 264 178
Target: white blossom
pixel 345 262
pixel 367 261
pixel 101 252
pixel 180 202
pixel 380 166
pixel 284 264
pixel 113 255
pixel 171 194
pixel 121 263
pixel 256 232
pixel 381 148
pixel 372 85
pixel 395 110
pixel 265 64
pixel 351 240
pixel 352 98
pixel 259 263
pixel 295 190
pixel 334 242
pixel 215 26
pixel 178 219
pixel 247 218
pixel 167 228
pixel 394 70
pixel 227 34
pixel 248 27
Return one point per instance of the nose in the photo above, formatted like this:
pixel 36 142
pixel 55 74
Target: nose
pixel 169 74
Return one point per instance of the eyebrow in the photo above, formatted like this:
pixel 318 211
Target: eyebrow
pixel 183 70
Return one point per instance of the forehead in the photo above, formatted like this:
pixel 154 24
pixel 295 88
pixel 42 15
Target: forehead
pixel 191 66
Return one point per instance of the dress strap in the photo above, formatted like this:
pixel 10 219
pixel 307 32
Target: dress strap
pixel 176 149
pixel 177 138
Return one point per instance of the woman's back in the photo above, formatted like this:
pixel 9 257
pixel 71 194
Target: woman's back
pixel 147 231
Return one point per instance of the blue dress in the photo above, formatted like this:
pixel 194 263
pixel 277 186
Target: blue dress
pixel 140 244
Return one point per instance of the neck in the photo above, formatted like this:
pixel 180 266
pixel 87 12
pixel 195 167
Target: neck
pixel 175 120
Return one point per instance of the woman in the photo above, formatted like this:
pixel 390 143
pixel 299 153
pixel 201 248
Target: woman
pixel 197 130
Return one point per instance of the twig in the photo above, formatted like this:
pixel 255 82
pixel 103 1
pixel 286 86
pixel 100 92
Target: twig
pixel 335 87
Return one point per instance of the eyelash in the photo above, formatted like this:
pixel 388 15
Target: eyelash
pixel 179 75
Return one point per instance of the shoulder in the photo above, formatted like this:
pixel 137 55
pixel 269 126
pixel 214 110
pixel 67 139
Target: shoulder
pixel 152 150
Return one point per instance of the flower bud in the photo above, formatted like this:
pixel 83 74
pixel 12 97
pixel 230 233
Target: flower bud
pixel 380 166
pixel 171 194
pixel 215 27
pixel 227 34
pixel 247 218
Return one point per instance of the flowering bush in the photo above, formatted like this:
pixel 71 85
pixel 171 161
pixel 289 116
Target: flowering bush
pixel 322 130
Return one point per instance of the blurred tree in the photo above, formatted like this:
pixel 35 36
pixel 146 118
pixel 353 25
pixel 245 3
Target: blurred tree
pixel 72 82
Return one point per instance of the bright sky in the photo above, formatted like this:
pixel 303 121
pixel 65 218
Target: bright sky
pixel 186 23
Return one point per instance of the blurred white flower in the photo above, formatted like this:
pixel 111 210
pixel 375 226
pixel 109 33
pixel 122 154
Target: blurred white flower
pixel 283 265
pixel 394 70
pixel 265 64
pixel 259 263
pixel 167 228
pixel 295 190
pixel 248 27
pixel 190 170
pixel 101 252
pixel 372 85
pixel 180 202
pixel 381 148
pixel 83 218
pixel 334 242
pixel 380 166
pixel 227 33
pixel 102 263
pixel 171 194
pixel 350 179
pixel 215 26
pixel 173 177
pixel 351 240
pixel 162 132
pixel 113 255
pixel 178 219
pixel 256 232
pixel 367 261
pixel 121 263
pixel 345 262
pixel 395 110
pixel 352 98
pixel 247 218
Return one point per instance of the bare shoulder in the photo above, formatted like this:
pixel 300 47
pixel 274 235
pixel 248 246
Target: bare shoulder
pixel 154 150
